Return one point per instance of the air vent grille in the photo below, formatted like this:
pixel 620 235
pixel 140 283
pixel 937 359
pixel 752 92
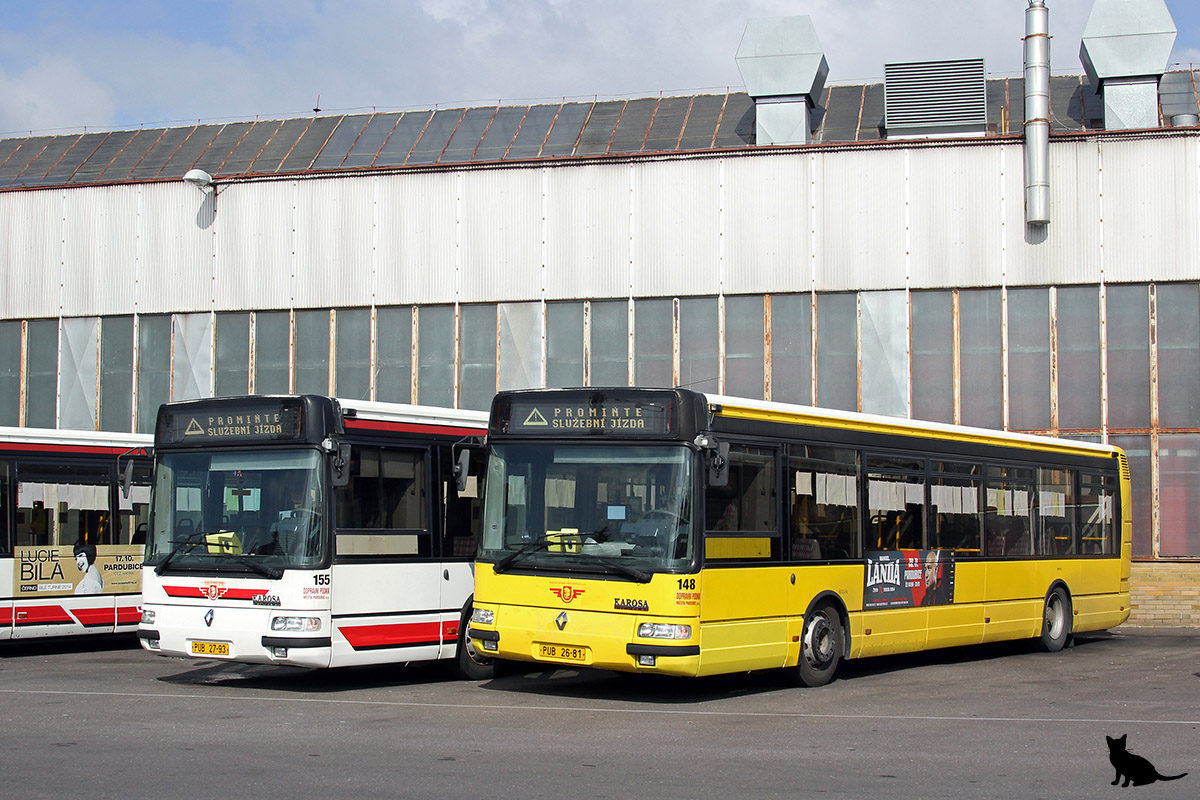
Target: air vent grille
pixel 932 97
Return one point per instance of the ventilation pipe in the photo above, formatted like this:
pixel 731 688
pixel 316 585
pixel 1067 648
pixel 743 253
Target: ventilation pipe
pixel 1037 113
pixel 784 69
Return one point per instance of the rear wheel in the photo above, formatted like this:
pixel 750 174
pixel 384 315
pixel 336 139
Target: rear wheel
pixel 820 647
pixel 1056 620
pixel 471 664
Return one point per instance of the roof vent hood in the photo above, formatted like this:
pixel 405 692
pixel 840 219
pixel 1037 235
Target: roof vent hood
pixel 1177 93
pixel 1125 48
pixel 784 69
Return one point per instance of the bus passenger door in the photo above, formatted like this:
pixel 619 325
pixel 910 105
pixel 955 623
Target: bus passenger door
pixel 460 516
pixel 386 584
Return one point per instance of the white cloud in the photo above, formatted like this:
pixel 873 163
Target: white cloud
pixel 53 93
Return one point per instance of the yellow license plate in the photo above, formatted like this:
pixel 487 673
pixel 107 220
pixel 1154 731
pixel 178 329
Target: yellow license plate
pixel 210 648
pixel 562 652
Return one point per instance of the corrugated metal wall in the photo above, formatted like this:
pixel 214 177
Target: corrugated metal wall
pixel 825 220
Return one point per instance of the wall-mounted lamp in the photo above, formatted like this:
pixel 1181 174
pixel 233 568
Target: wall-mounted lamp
pixel 198 178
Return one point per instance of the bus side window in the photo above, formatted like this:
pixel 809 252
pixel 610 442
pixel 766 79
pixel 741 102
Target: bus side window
pixel 461 511
pixel 741 517
pixel 1098 515
pixel 823 495
pixel 1008 516
pixel 381 509
pixel 6 544
pixel 957 518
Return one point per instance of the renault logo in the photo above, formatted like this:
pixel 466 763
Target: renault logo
pixel 208 618
pixel 560 620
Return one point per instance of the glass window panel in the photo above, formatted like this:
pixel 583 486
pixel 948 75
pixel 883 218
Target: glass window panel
pixel 702 121
pixel 304 152
pixel 10 372
pixel 933 356
pixel 608 349
pixel 468 135
pixel 250 146
pixel 521 337
pixel 312 352
pixel 197 141
pixel 500 133
pixel 746 504
pixel 957 513
pixel 41 391
pixel 1179 487
pixel 192 352
pixel 823 501
pixel 233 354
pixel 837 351
pixel 896 511
pixel 698 344
pixel 436 136
pixel 599 127
pixel 116 374
pixel 1079 357
pixel 979 349
pixel 1008 512
pixel 272 346
pixel 1029 358
pixel 1056 503
pixel 393 357
pixel 1178 319
pixel 791 348
pixel 1098 527
pixel 283 141
pixel 435 359
pixel 153 368
pixel 744 346
pixel 528 143
pixel 653 343
pixel 883 326
pixel 353 354
pixel 477 379
pixel 1137 451
pixel 5 535
pixel 669 117
pixel 1128 342
pixel 343 138
pixel 400 139
pixel 565 132
pixel 564 344
pixel 633 126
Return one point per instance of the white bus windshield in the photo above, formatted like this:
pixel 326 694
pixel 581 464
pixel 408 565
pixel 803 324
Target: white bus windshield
pixel 609 509
pixel 255 511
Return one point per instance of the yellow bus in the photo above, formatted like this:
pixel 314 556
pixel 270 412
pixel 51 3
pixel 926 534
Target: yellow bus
pixel 668 531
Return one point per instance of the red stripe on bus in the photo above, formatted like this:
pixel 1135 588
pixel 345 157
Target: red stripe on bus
pixel 200 591
pixel 71 448
pixel 129 615
pixel 42 615
pixel 6 615
pixel 94 617
pixel 393 635
pixel 408 427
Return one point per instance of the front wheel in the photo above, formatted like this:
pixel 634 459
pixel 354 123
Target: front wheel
pixel 1056 620
pixel 820 647
pixel 469 663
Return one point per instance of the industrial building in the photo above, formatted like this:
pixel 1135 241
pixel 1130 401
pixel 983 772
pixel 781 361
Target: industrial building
pixel 1007 253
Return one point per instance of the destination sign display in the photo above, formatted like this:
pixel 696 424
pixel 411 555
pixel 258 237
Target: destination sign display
pixel 254 421
pixel 612 416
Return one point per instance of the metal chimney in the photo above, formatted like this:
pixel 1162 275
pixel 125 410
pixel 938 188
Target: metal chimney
pixel 1125 49
pixel 1037 113
pixel 784 69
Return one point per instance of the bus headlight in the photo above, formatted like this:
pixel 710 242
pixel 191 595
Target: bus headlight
pixel 295 623
pixel 484 616
pixel 662 630
pixel 147 617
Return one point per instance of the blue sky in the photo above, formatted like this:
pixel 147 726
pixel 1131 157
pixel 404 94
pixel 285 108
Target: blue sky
pixel 69 65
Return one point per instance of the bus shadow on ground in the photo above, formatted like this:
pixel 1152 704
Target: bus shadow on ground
pixel 660 689
pixel 310 681
pixel 91 643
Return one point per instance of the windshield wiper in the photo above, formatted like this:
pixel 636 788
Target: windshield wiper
pixel 543 541
pixel 266 570
pixel 641 576
pixel 186 546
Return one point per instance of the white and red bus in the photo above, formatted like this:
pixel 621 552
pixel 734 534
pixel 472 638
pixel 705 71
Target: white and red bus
pixel 70 534
pixel 312 532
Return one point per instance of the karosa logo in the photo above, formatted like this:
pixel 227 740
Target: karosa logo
pixel 566 593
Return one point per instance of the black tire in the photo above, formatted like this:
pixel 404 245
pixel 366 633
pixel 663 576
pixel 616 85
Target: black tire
pixel 469 663
pixel 820 647
pixel 1056 620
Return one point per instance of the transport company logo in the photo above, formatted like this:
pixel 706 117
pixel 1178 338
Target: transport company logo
pixel 566 593
pixel 213 590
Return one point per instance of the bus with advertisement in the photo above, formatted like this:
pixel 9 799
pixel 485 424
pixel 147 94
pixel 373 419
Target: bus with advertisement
pixel 74 508
pixel 668 531
pixel 307 531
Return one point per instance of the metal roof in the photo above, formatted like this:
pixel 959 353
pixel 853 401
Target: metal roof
pixel 482 135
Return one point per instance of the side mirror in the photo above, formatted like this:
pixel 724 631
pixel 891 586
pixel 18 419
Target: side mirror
pixel 462 469
pixel 341 465
pixel 127 478
pixel 718 465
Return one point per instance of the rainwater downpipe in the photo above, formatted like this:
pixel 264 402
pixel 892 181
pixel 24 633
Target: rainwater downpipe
pixel 1037 113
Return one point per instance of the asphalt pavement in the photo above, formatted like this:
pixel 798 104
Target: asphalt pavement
pixel 101 718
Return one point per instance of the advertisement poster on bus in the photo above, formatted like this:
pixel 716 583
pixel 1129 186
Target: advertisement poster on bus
pixel 908 578
pixel 83 569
